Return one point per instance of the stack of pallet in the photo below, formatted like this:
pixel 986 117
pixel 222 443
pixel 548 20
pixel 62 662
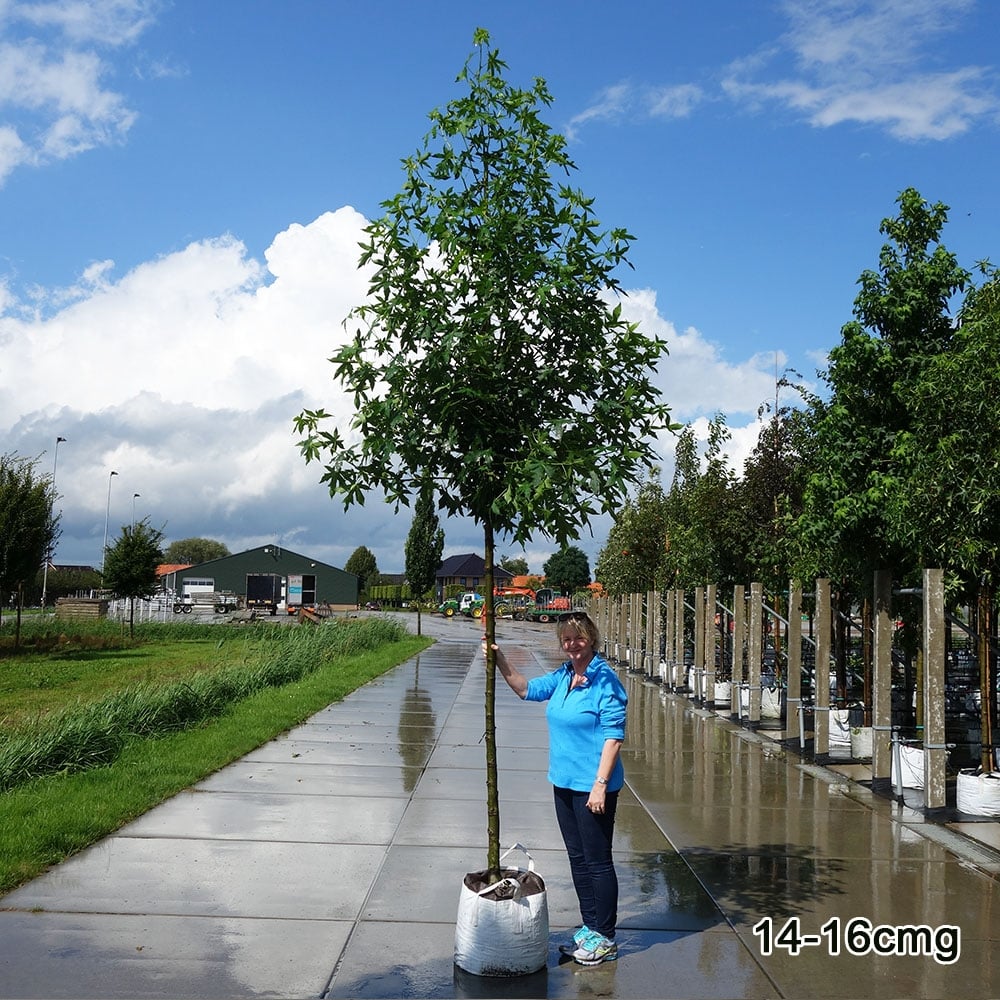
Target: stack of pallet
pixel 81 607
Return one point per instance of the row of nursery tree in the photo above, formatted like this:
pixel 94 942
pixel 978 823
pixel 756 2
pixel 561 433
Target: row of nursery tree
pixel 896 466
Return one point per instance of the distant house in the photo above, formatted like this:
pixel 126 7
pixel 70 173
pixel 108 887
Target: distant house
pixel 468 572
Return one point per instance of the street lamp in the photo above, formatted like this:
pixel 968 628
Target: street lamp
pixel 135 496
pixel 48 551
pixel 107 515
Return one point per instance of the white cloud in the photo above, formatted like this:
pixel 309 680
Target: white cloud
pixel 626 100
pixel 13 152
pixel 610 104
pixel 870 62
pixel 696 380
pixel 107 22
pixel 673 102
pixel 52 78
pixel 184 376
pixel 867 34
pixel 863 61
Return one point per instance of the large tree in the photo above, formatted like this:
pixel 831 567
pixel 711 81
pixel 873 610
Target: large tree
pixel 194 551
pixel 901 323
pixel 64 581
pixel 696 541
pixel 515 565
pixel 948 511
pixel 361 562
pixel 28 526
pixel 567 569
pixel 491 356
pixel 424 548
pixel 768 496
pixel 631 560
pixel 130 564
pixel 866 438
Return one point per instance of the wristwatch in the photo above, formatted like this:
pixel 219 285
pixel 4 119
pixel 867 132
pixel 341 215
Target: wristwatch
pixel 602 781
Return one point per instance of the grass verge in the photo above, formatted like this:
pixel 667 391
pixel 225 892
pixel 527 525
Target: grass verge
pixel 46 820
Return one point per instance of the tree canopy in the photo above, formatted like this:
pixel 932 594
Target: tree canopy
pixel 194 551
pixel 130 564
pixel 901 324
pixel 568 569
pixel 361 562
pixel 515 565
pixel 28 525
pixel 488 266
pixel 424 548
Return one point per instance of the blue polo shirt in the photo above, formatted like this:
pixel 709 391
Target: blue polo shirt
pixel 580 720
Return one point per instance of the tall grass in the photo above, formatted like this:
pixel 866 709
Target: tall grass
pixel 79 737
pixel 44 634
pixel 45 820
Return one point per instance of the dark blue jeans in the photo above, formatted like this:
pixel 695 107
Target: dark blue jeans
pixel 588 839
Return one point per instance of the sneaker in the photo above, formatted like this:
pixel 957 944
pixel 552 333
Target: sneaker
pixel 594 949
pixel 578 938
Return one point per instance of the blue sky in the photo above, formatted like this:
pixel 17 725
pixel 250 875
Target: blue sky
pixel 182 187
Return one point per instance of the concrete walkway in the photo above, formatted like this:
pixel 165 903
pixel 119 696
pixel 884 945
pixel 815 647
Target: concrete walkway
pixel 328 863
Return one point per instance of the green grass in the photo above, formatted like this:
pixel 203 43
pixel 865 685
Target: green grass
pixel 35 684
pixel 45 819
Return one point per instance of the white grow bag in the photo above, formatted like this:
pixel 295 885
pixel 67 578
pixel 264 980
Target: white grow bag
pixel 770 702
pixel 503 927
pixel 723 694
pixel 978 794
pixel 908 766
pixel 862 742
pixel 840 728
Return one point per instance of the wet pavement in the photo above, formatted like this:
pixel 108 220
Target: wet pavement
pixel 328 863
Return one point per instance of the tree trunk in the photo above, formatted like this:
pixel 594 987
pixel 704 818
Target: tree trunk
pixel 987 686
pixel 841 640
pixel 17 627
pixel 779 607
pixel 867 656
pixel 492 788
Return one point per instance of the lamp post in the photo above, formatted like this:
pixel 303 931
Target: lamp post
pixel 107 516
pixel 135 496
pixel 48 551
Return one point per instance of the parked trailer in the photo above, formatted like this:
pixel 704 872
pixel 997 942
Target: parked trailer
pixel 221 602
pixel 549 605
pixel 264 592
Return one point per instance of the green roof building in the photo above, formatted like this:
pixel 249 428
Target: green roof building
pixel 304 581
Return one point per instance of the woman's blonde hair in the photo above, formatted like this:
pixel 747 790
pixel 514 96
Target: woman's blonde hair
pixel 580 623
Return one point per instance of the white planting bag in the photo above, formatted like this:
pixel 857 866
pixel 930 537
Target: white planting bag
pixel 503 927
pixel 978 794
pixel 840 727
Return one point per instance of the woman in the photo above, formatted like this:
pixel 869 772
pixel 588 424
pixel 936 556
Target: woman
pixel 586 717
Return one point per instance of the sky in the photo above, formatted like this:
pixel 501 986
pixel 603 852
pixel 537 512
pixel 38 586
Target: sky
pixel 183 186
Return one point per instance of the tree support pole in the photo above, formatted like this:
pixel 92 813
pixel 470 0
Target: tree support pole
pixel 755 646
pixel 710 645
pixel 821 677
pixel 882 681
pixel 793 693
pixel 935 749
pixel 739 639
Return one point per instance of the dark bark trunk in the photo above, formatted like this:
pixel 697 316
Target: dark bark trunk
pixel 987 671
pixel 492 788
